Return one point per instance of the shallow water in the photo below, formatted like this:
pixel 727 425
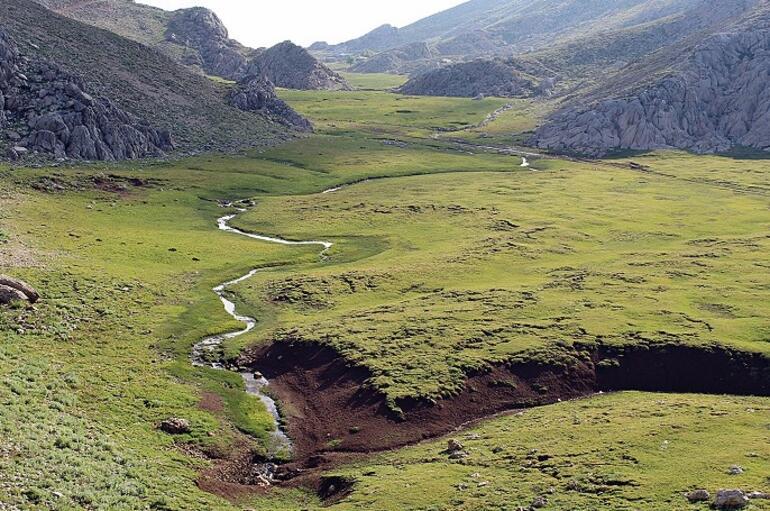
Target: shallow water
pixel 206 352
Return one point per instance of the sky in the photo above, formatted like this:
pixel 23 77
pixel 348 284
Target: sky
pixel 254 24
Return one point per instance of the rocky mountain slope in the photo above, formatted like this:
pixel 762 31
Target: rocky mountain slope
pixel 290 66
pixel 195 37
pixel 498 78
pixel 706 94
pixel 504 26
pixel 67 62
pixel 45 109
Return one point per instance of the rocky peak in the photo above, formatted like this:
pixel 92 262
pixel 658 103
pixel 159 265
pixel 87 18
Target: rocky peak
pixel 293 67
pixel 47 110
pixel 201 30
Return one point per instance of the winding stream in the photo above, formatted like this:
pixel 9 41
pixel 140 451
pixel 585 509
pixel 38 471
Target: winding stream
pixel 206 353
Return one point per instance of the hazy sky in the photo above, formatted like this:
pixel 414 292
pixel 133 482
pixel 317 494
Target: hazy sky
pixel 266 22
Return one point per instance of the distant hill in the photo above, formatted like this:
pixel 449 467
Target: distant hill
pixel 290 66
pixel 495 26
pixel 135 85
pixel 705 93
pixel 499 78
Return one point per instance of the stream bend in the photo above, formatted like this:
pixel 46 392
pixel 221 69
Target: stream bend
pixel 206 353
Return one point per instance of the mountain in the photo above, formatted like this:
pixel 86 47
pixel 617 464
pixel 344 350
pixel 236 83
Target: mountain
pixel 290 66
pixel 65 78
pixel 195 37
pixel 705 94
pixel 516 26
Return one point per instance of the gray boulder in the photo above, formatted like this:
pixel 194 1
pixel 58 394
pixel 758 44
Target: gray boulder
pixel 731 499
pixel 10 295
pixel 17 289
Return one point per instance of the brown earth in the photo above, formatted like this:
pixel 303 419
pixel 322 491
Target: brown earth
pixel 331 410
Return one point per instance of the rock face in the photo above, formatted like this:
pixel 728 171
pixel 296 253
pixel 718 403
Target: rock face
pixel 48 110
pixel 290 66
pixel 714 101
pixel 471 79
pixel 257 94
pixel 200 30
pixel 12 289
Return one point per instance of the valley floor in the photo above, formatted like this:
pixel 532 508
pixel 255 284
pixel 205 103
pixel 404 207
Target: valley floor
pixel 457 277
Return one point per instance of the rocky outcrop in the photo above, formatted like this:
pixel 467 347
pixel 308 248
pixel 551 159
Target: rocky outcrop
pixel 45 109
pixel 257 94
pixel 201 31
pixel 12 289
pixel 290 66
pixel 472 79
pixel 715 100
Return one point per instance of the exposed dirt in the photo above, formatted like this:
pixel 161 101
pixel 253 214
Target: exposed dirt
pixel 331 410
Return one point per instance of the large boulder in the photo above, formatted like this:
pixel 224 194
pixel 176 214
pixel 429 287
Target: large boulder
pixel 12 289
pixel 731 499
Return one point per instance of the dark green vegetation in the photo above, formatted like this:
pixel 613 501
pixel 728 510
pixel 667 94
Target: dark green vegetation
pixel 461 260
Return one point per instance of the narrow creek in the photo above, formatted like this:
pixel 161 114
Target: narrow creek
pixel 207 352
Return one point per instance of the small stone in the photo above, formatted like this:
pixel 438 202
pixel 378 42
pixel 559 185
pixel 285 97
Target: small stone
pixel 175 426
pixel 454 445
pixel 735 470
pixel 539 502
pixel 758 495
pixel 731 499
pixel 699 496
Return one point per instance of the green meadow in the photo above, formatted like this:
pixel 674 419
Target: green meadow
pixel 445 259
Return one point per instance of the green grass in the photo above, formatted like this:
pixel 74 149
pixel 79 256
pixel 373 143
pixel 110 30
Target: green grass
pixel 620 452
pixel 388 114
pixel 375 81
pixel 458 261
pixel 478 268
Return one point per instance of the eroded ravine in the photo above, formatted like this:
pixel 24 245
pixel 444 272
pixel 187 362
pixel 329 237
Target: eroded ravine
pixel 207 352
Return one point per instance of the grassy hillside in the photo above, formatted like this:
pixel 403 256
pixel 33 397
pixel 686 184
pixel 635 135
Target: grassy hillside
pixel 140 80
pixel 459 258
